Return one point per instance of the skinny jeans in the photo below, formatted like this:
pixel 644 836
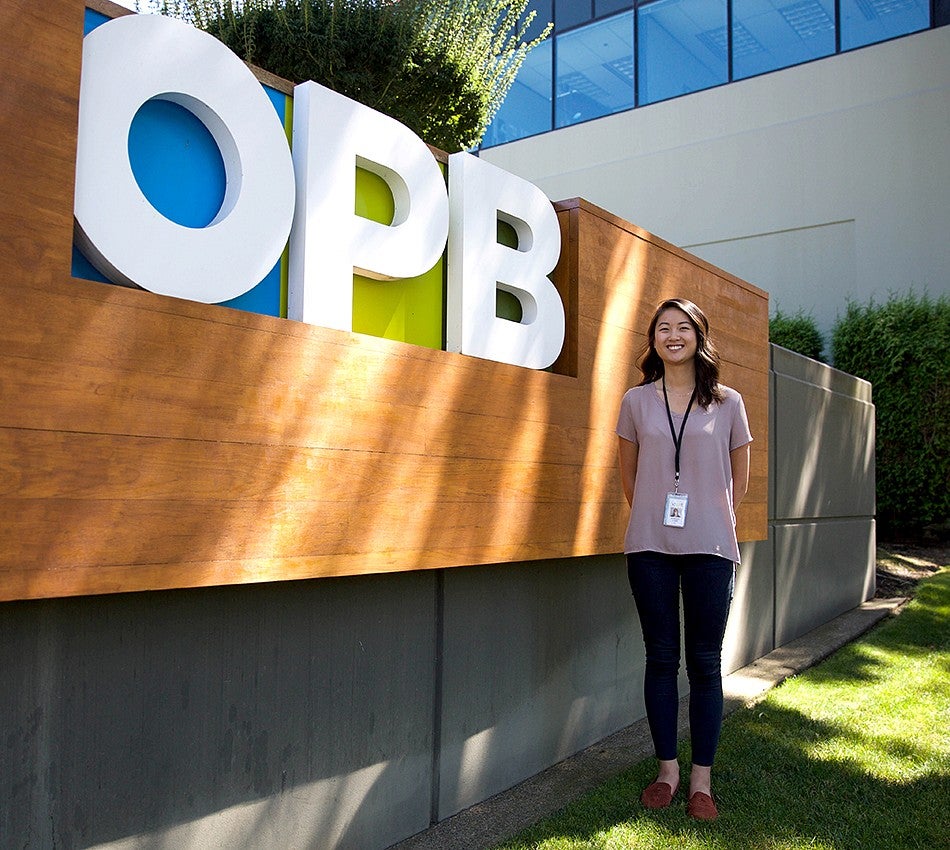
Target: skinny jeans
pixel 707 583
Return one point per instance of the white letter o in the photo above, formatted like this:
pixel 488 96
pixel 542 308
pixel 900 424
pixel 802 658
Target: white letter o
pixel 136 58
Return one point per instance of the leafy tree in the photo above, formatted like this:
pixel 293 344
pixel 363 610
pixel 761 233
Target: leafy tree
pixel 798 333
pixel 902 348
pixel 442 67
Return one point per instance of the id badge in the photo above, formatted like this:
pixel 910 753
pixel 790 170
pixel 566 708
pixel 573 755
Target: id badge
pixel 675 513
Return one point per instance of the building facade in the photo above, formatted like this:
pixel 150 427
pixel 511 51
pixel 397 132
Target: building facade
pixel 811 166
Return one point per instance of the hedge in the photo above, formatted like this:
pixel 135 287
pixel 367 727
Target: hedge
pixel 798 333
pixel 903 348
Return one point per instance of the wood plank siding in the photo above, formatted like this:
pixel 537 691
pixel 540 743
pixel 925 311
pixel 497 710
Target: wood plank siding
pixel 148 442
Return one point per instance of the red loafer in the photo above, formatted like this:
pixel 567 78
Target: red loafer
pixel 658 795
pixel 702 807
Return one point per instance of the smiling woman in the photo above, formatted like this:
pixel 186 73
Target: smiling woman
pixel 707 450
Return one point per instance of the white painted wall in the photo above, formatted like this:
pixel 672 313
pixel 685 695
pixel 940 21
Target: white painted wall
pixel 818 183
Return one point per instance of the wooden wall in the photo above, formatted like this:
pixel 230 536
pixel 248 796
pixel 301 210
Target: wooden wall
pixel 148 442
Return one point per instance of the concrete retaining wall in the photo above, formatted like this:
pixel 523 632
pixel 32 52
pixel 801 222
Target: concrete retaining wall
pixel 351 712
pixel 822 501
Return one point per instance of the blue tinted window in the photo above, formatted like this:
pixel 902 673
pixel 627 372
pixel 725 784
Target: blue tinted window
pixel 570 13
pixel 544 10
pixel 606 7
pixel 594 70
pixel 527 107
pixel 867 21
pixel 771 34
pixel 683 47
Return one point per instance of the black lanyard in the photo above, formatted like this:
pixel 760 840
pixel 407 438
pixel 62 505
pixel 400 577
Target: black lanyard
pixel 677 440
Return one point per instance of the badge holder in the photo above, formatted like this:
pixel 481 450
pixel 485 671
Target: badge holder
pixel 675 513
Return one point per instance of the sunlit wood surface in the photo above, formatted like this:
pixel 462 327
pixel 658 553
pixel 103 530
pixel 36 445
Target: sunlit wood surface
pixel 148 442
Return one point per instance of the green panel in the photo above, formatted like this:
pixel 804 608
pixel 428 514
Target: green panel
pixel 408 310
pixel 507 306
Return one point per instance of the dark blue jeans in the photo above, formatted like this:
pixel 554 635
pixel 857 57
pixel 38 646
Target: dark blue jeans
pixel 707 584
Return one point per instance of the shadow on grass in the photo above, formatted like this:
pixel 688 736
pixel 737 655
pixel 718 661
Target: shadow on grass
pixel 919 631
pixel 785 779
pixel 771 793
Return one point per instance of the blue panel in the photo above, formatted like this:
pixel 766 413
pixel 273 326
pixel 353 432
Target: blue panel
pixel 526 110
pixel 82 268
pixel 92 19
pixel 682 47
pixel 594 70
pixel 279 101
pixel 869 21
pixel 176 163
pixel 767 35
pixel 263 298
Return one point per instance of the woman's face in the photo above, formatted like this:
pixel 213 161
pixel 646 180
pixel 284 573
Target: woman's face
pixel 674 337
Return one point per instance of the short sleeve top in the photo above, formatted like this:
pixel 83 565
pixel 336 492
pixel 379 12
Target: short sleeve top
pixel 705 473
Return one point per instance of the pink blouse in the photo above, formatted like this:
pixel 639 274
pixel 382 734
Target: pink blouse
pixel 705 473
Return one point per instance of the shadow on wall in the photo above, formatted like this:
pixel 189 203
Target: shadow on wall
pixel 291 715
pixel 822 507
pixel 298 712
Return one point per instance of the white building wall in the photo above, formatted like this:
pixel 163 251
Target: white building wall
pixel 818 183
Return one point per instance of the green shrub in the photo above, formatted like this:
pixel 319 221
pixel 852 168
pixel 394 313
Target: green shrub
pixel 441 67
pixel 903 348
pixel 797 333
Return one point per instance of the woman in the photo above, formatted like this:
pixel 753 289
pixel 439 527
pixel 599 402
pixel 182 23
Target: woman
pixel 684 463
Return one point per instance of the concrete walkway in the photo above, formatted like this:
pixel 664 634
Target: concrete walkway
pixel 507 813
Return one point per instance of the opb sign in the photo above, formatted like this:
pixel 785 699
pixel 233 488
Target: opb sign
pixel 306 196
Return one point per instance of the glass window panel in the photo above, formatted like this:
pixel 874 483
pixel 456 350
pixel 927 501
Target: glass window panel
pixel 571 13
pixel 526 110
pixel 594 70
pixel 544 16
pixel 683 47
pixel 771 34
pixel 868 21
pixel 607 7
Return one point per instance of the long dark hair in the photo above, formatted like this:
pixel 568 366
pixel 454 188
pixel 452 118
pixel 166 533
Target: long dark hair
pixel 706 360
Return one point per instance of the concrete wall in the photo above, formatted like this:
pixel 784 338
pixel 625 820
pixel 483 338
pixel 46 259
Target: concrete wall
pixel 817 183
pixel 349 712
pixel 822 501
pixel 290 715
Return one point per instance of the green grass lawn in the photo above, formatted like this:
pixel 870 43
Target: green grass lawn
pixel 853 754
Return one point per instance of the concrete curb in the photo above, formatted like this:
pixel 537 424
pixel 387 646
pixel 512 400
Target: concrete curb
pixel 502 816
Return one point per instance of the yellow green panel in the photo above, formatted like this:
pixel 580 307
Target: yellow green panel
pixel 285 256
pixel 408 310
